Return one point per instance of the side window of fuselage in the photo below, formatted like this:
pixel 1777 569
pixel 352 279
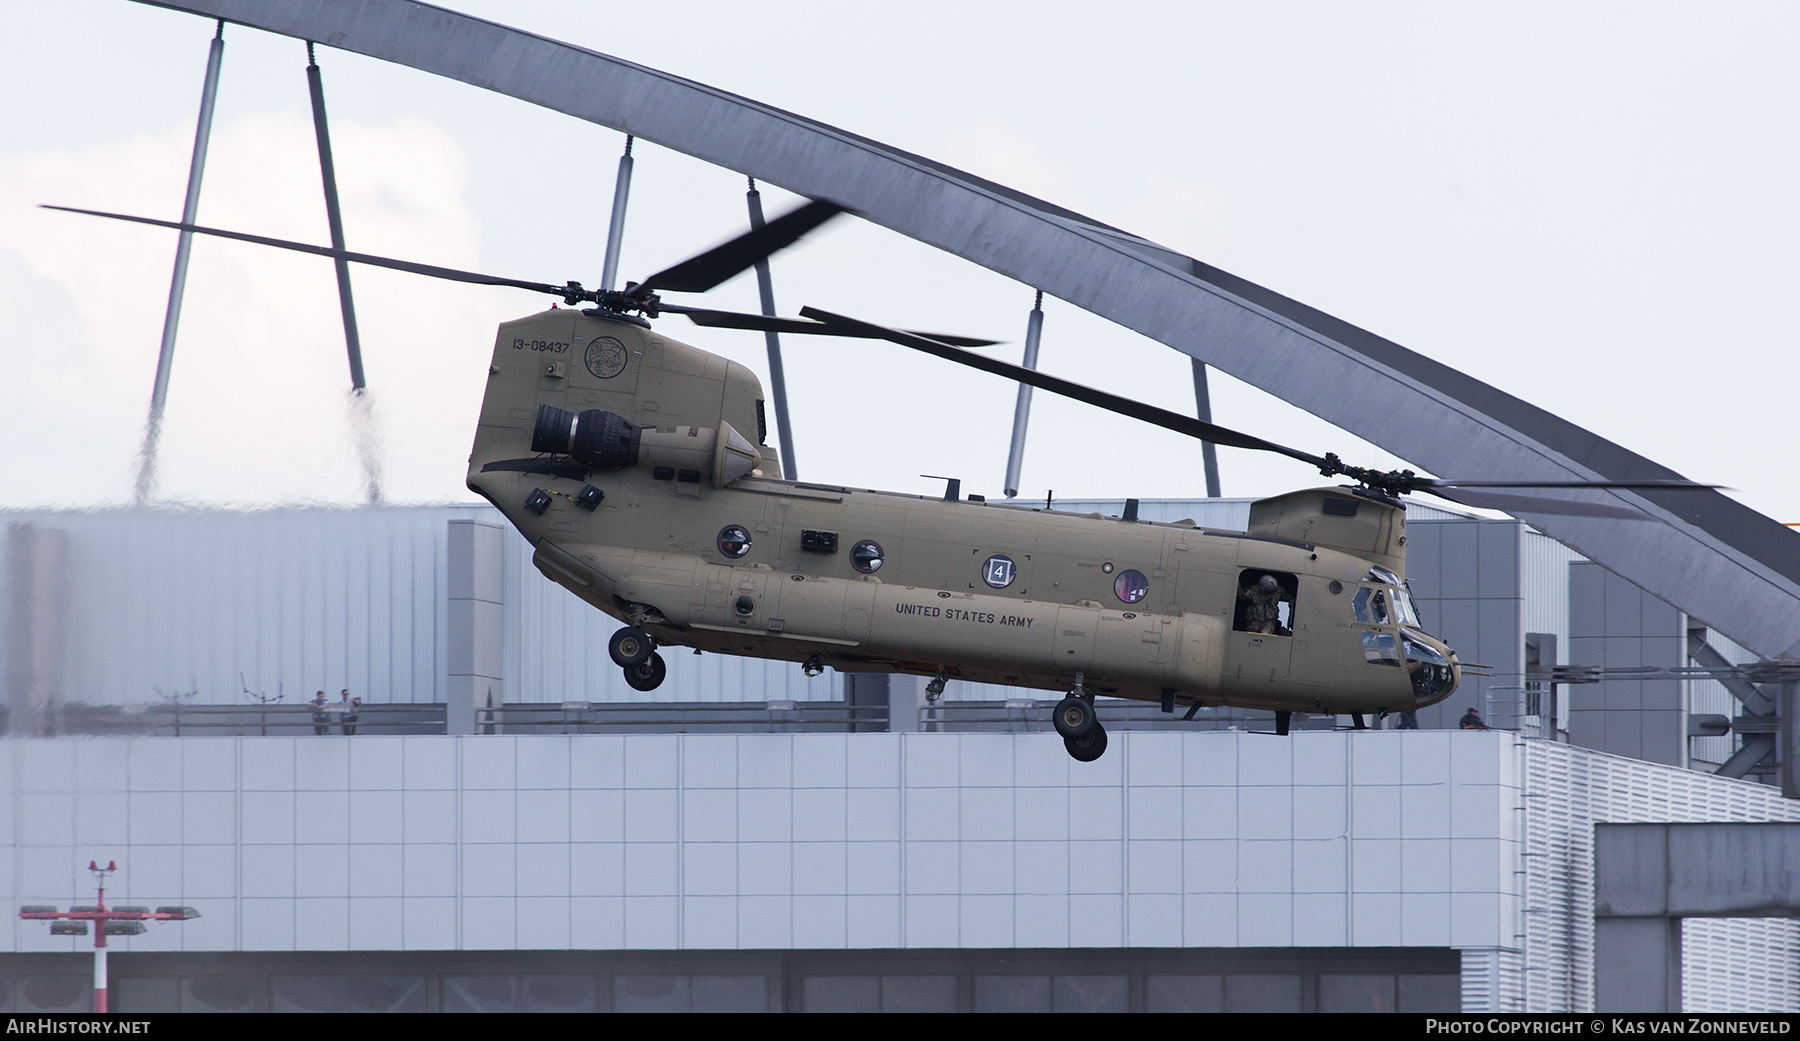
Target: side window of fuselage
pixel 1265 607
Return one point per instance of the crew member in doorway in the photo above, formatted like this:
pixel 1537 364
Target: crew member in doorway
pixel 1262 613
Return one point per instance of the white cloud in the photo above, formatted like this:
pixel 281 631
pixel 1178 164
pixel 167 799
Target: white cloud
pixel 258 404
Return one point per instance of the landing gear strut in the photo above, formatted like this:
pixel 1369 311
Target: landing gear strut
pixel 1081 731
pixel 634 651
pixel 649 675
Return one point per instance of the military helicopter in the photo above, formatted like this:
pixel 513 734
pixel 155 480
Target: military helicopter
pixel 637 467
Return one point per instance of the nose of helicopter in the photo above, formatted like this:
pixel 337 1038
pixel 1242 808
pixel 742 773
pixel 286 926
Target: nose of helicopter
pixel 1433 667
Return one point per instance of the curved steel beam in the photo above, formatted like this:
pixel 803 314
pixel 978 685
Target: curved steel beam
pixel 1713 557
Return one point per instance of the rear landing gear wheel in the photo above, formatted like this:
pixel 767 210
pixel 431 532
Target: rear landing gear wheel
pixel 1089 748
pixel 1074 717
pixel 630 646
pixel 649 674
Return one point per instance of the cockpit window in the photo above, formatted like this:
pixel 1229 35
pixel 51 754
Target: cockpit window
pixel 1371 603
pixel 1403 606
pixel 1378 648
pixel 1384 604
pixel 1382 575
pixel 1265 602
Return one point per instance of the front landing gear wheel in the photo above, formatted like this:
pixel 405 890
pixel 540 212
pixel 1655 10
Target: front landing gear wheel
pixel 1089 748
pixel 630 647
pixel 648 675
pixel 1074 718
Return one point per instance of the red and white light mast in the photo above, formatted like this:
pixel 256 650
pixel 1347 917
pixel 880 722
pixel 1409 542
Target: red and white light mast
pixel 119 921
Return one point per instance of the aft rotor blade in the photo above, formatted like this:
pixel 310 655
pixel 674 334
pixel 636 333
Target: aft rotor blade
pixel 699 273
pixel 432 270
pixel 766 323
pixel 1099 398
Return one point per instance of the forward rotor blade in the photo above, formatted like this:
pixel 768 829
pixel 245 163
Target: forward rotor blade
pixel 1517 504
pixel 1475 493
pixel 1427 484
pixel 1101 399
pixel 432 270
pixel 699 273
pixel 763 323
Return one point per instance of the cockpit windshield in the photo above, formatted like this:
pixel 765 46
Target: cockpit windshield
pixel 1382 600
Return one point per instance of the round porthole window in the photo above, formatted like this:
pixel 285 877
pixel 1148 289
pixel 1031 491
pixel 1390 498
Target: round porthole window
pixel 866 556
pixel 1131 586
pixel 734 541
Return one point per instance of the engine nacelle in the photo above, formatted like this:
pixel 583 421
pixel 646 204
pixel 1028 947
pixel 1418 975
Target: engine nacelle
pixel 607 441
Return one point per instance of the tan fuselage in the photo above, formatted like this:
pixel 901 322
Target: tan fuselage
pixel 651 553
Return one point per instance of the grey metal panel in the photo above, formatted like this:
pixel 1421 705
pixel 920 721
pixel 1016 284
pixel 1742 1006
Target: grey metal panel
pixel 1665 737
pixel 1637 965
pixel 1424 563
pixel 1631 869
pixel 1501 640
pixel 1460 541
pixel 1499 558
pixel 1718 870
pixel 1718 559
pixel 1587 602
pixel 1624 607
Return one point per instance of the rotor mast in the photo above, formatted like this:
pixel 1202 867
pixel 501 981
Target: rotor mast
pixel 1015 456
pixel 615 231
pixel 765 289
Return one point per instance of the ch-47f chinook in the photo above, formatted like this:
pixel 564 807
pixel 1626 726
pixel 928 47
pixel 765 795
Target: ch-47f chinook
pixel 635 464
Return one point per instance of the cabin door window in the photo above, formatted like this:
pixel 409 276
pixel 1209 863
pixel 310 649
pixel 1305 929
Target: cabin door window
pixel 1265 602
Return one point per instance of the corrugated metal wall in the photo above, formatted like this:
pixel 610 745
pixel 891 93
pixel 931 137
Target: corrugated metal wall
pixel 203 605
pixel 1728 965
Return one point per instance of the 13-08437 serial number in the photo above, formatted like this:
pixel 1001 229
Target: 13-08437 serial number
pixel 553 346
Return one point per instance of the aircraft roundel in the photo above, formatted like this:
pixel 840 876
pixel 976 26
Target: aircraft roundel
pixel 605 357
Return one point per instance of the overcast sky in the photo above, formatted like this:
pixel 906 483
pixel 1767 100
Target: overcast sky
pixel 1590 206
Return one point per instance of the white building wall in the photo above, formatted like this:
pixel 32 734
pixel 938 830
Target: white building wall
pixel 1479 841
pixel 774 840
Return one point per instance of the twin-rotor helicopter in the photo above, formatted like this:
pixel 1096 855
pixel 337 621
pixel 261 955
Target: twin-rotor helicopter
pixel 637 466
